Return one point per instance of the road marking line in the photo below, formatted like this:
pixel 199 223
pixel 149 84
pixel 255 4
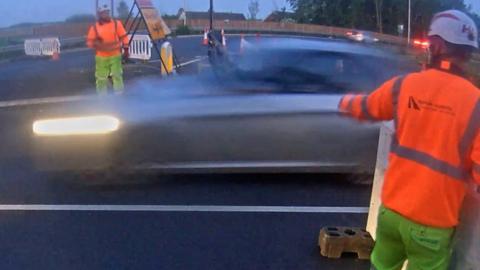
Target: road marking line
pixel 198 59
pixel 38 101
pixel 192 61
pixel 185 208
pixel 49 100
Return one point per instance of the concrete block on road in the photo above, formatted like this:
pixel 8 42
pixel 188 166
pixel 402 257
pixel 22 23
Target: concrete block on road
pixel 335 241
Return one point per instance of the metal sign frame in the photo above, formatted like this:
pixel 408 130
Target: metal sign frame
pixel 216 52
pixel 133 23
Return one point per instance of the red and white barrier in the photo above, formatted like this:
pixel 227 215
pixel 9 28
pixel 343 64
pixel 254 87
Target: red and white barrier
pixel 141 47
pixel 50 46
pixel 45 46
pixel 33 47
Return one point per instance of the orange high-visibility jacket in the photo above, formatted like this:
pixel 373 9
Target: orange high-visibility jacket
pixel 436 148
pixel 107 39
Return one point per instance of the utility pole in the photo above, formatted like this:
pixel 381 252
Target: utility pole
pixel 409 21
pixel 211 15
pixel 379 11
pixel 184 13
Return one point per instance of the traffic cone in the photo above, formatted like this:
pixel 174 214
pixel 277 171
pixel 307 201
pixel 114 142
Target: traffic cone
pixel 224 39
pixel 243 42
pixel 55 56
pixel 56 51
pixel 205 38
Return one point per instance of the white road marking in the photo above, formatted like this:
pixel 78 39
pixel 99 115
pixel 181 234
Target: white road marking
pixel 192 61
pixel 197 59
pixel 50 100
pixel 185 208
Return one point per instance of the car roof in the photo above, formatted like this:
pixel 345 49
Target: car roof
pixel 325 45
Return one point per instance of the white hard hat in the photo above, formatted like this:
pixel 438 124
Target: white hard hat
pixel 455 27
pixel 103 8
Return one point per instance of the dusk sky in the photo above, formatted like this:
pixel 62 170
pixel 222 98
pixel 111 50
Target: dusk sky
pixel 16 11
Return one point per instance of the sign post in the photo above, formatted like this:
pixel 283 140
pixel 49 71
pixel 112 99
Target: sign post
pixel 148 15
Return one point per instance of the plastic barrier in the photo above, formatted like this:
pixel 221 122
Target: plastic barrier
pixel 33 47
pixel 50 46
pixel 384 142
pixel 466 255
pixel 141 47
pixel 167 57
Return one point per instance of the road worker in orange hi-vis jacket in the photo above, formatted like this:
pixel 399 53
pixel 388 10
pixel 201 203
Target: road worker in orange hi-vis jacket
pixel 108 37
pixel 435 151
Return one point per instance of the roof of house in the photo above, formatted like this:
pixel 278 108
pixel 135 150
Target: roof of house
pixel 199 15
pixel 277 16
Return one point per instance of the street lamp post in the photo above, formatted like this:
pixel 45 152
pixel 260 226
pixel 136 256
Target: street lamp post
pixel 409 20
pixel 211 15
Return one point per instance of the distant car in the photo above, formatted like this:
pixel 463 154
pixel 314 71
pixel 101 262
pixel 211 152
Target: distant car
pixel 273 109
pixel 421 43
pixel 362 36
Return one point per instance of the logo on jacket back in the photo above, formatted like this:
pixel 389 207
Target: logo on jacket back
pixel 412 104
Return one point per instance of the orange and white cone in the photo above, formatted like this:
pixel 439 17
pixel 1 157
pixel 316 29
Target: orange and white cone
pixel 224 39
pixel 243 43
pixel 55 56
pixel 56 51
pixel 205 38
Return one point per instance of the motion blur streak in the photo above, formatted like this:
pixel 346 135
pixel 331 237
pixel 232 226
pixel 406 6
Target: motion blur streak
pixel 91 125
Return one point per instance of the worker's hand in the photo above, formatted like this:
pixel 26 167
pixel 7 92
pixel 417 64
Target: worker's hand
pixel 126 53
pixel 98 42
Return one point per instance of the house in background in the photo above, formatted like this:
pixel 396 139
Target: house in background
pixel 184 16
pixel 281 16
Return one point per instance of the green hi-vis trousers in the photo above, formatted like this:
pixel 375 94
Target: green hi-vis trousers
pixel 400 239
pixel 105 67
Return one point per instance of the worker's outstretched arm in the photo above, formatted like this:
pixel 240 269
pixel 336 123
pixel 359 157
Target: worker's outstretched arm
pixel 475 156
pixel 91 38
pixel 378 106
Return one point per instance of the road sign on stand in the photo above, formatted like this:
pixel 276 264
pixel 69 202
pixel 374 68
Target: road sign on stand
pixel 157 28
pixel 148 15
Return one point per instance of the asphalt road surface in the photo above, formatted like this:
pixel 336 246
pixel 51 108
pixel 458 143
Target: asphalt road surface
pixel 161 222
pixel 174 222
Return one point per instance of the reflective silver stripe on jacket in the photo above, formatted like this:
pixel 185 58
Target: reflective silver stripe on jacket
pixel 364 107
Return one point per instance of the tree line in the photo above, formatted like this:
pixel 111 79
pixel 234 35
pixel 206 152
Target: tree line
pixel 383 16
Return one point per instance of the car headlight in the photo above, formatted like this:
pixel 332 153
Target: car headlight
pixel 89 125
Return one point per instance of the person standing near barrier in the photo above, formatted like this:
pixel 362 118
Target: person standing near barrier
pixel 107 37
pixel 435 149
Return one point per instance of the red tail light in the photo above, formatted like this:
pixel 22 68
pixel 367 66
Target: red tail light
pixel 424 44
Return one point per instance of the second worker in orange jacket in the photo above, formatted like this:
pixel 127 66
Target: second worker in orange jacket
pixel 108 37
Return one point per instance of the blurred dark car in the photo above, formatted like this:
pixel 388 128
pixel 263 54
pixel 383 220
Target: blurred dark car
pixel 272 109
pixel 362 36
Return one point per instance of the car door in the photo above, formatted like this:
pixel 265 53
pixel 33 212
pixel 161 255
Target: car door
pixel 251 133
